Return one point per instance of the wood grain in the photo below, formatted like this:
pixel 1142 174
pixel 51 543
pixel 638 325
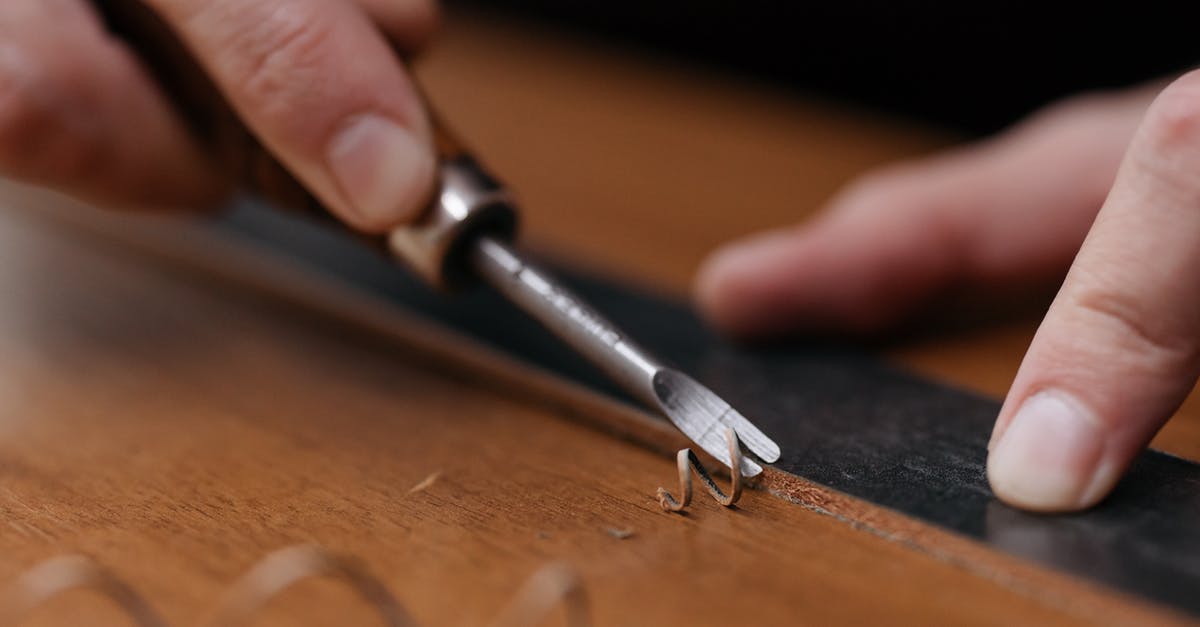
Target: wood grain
pixel 178 429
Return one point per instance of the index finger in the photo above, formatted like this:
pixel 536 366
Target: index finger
pixel 1119 349
pixel 321 88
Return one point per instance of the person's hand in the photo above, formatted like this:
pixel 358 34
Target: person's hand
pixel 1119 349
pixel 317 81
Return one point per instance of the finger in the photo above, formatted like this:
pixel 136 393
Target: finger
pixel 1015 208
pixel 322 90
pixel 408 23
pixel 78 113
pixel 1117 352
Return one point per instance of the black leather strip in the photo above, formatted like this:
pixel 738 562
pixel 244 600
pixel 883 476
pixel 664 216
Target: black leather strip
pixel 843 418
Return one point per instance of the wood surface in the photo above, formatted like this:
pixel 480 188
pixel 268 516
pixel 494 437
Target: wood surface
pixel 178 428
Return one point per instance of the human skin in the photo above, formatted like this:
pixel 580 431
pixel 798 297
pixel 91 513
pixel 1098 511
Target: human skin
pixel 1104 188
pixel 317 81
pixel 321 86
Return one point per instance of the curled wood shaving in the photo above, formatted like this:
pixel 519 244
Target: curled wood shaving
pixel 549 587
pixel 546 589
pixel 59 575
pixel 687 461
pixel 277 572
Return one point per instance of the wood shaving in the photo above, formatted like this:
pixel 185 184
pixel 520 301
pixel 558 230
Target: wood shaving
pixel 552 586
pixel 426 483
pixel 687 461
pixel 620 534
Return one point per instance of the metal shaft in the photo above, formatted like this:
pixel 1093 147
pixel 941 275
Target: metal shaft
pixel 699 413
pixel 567 316
pixel 459 235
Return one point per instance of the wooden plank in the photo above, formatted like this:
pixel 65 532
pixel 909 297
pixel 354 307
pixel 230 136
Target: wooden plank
pixel 178 429
pixel 846 422
pixel 910 450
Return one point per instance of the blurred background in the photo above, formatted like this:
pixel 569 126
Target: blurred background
pixel 971 66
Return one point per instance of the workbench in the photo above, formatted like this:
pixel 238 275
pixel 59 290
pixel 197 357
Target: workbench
pixel 177 427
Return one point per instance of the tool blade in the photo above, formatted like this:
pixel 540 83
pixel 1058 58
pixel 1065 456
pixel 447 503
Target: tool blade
pixel 702 416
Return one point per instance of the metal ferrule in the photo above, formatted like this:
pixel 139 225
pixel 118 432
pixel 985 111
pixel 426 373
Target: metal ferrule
pixel 469 203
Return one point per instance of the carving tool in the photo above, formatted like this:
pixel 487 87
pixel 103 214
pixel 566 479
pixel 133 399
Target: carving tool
pixel 465 234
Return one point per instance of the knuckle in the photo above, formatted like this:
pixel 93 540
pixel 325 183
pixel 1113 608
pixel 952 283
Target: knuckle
pixel 20 111
pixel 913 190
pixel 17 119
pixel 278 55
pixel 427 17
pixel 45 137
pixel 1173 121
pixel 409 23
pixel 1154 341
pixel 36 142
pixel 423 21
pixel 875 190
pixel 898 186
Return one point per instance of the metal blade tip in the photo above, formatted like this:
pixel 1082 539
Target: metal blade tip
pixel 703 416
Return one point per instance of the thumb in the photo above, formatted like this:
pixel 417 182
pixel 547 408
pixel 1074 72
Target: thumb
pixel 1118 350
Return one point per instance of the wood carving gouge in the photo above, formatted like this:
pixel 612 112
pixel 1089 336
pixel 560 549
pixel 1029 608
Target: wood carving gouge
pixel 465 234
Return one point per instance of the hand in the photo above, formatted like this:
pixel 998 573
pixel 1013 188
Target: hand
pixel 317 81
pixel 1119 349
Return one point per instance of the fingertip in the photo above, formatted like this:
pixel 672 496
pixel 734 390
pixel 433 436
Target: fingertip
pixel 1118 348
pixel 1053 456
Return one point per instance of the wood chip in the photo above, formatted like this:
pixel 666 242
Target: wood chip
pixel 426 482
pixel 620 534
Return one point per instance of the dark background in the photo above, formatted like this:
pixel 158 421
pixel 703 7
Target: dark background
pixel 974 66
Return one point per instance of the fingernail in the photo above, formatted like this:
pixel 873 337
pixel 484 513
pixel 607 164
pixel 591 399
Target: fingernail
pixel 383 169
pixel 1049 456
